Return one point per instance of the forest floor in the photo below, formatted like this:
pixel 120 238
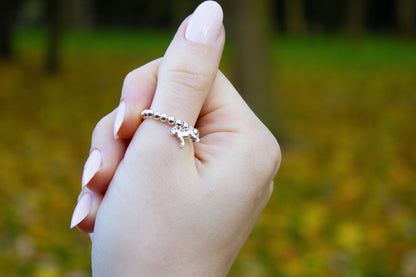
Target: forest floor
pixel 345 197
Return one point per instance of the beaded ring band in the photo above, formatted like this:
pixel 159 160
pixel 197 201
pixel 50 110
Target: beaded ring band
pixel 180 128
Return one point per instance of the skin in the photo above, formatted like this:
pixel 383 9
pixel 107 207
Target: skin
pixel 161 210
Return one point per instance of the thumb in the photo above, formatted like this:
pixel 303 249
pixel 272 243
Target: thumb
pixel 190 64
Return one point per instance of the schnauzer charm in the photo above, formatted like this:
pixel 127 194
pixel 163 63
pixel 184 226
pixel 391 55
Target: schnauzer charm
pixel 183 132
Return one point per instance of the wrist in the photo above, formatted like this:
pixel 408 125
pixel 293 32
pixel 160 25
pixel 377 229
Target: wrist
pixel 173 266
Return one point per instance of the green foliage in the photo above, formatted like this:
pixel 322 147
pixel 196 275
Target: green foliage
pixel 344 201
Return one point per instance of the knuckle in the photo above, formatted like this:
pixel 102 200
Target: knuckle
pixel 272 152
pixel 141 74
pixel 129 77
pixel 189 80
pixel 267 155
pixel 276 155
pixel 101 124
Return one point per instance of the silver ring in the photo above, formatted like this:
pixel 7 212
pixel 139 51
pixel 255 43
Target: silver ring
pixel 180 128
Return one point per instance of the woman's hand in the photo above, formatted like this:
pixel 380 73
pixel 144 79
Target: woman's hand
pixel 158 209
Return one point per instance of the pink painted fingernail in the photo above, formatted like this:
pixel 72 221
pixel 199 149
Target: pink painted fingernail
pixel 82 209
pixel 91 167
pixel 118 120
pixel 205 23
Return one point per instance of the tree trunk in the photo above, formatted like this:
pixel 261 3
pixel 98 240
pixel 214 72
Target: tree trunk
pixel 82 14
pixel 406 10
pixel 53 10
pixel 295 17
pixel 355 21
pixel 8 10
pixel 5 37
pixel 180 9
pixel 252 35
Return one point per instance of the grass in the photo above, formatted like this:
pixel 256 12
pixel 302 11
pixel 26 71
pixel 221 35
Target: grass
pixel 345 195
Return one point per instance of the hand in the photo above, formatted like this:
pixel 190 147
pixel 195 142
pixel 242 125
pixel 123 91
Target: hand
pixel 167 210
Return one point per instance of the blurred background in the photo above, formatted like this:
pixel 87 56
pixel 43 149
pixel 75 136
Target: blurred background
pixel 334 80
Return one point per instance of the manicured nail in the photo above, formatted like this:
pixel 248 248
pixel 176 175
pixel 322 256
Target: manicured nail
pixel 82 209
pixel 205 23
pixel 92 165
pixel 121 110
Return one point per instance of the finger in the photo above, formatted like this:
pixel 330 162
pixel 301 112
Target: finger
pixel 85 211
pixel 225 117
pixel 190 64
pixel 105 155
pixel 224 102
pixel 136 95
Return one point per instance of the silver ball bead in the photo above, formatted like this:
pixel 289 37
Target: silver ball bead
pixel 157 115
pixel 179 123
pixel 144 114
pixel 185 125
pixel 171 120
pixel 149 113
pixel 163 117
pixel 196 132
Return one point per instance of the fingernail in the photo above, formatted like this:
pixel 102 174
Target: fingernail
pixel 82 209
pixel 205 23
pixel 121 110
pixel 92 165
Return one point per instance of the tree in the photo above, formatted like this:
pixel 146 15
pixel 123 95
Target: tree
pixel 406 10
pixel 8 11
pixel 251 33
pixel 82 14
pixel 355 22
pixel 53 13
pixel 180 9
pixel 295 17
